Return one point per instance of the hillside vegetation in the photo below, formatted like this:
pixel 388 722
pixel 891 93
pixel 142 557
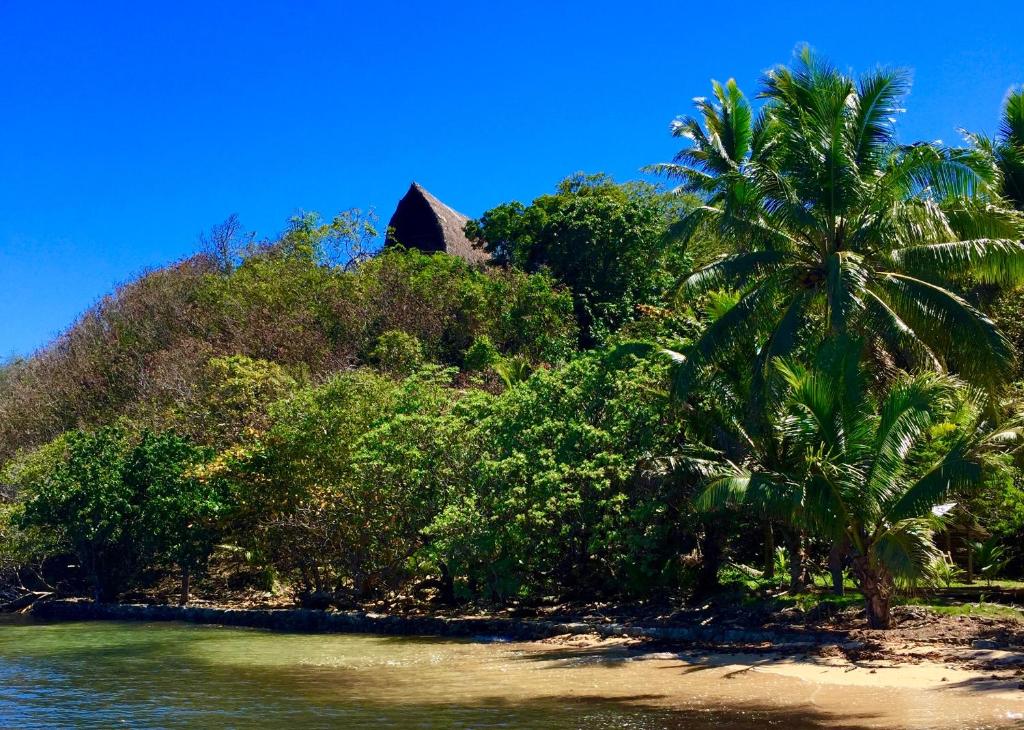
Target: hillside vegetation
pixel 801 360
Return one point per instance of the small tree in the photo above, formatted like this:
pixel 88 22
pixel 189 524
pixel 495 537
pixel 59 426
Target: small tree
pixel 397 353
pixel 231 397
pixel 864 469
pixel 180 509
pixel 84 499
pixel 482 354
pixel 605 241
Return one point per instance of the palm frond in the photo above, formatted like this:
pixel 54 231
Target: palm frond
pixel 906 549
pixel 813 400
pixel 905 417
pixel 729 272
pixel 939 173
pixel 763 492
pixel 875 107
pixel 897 334
pixel 990 261
pixel 971 218
pixel 964 336
pixel 735 118
pixel 735 327
pixel 692 221
pixel 957 468
pixel 1011 127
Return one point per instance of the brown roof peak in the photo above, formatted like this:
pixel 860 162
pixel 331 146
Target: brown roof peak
pixel 422 221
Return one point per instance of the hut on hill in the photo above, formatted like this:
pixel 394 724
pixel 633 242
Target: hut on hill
pixel 423 222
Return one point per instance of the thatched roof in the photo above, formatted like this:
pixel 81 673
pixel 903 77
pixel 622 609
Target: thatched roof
pixel 422 221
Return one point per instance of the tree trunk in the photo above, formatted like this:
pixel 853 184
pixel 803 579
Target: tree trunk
pixel 970 561
pixel 711 561
pixel 447 586
pixel 836 560
pixel 769 551
pixel 797 569
pixel 97 581
pixel 877 586
pixel 186 581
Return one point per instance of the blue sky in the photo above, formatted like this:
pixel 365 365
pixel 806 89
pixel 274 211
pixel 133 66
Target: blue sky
pixel 128 128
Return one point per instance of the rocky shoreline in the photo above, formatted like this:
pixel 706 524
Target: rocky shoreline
pixel 317 621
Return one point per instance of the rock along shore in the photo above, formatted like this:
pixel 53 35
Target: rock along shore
pixel 315 621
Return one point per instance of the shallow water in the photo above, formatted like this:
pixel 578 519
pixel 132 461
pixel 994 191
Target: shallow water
pixel 106 674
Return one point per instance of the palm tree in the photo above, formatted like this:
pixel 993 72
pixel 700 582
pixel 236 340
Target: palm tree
pixel 835 228
pixel 863 470
pixel 1007 149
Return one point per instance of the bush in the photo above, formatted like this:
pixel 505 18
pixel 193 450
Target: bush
pixel 84 501
pixel 397 353
pixel 555 496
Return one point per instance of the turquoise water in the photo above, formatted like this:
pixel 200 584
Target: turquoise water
pixel 106 674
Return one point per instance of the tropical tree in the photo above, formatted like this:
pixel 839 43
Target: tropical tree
pixel 180 512
pixel 861 469
pixel 836 228
pixel 82 499
pixel 604 240
pixel 1007 148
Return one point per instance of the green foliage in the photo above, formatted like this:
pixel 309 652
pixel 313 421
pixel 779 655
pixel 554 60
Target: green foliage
pixel 555 491
pixel 86 503
pixel 397 352
pixel 1007 148
pixel 944 572
pixel 344 241
pixel 180 511
pixel 607 242
pixel 403 471
pixel 22 544
pixel 868 471
pixel 835 228
pixel 990 558
pixel 513 370
pixel 482 354
pixel 446 304
pixel 199 332
pixel 321 497
pixel 120 507
pixel 231 398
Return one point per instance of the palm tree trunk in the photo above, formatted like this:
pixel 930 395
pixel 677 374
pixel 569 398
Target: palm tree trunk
pixel 877 586
pixel 769 550
pixel 970 561
pixel 797 568
pixel 711 561
pixel 836 559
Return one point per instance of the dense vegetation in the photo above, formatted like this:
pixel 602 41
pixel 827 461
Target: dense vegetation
pixel 812 341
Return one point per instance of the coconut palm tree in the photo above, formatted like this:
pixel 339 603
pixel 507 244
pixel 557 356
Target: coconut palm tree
pixel 861 469
pixel 835 228
pixel 1007 148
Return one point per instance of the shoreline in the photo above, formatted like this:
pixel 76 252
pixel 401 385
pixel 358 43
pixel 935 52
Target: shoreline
pixel 308 620
pixel 839 647
pixel 816 658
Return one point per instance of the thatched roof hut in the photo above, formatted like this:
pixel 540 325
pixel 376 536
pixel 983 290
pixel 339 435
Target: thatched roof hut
pixel 423 222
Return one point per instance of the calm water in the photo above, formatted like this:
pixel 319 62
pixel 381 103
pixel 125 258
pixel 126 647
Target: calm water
pixel 135 675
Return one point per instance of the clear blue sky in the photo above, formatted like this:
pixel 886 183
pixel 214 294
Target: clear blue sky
pixel 128 128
